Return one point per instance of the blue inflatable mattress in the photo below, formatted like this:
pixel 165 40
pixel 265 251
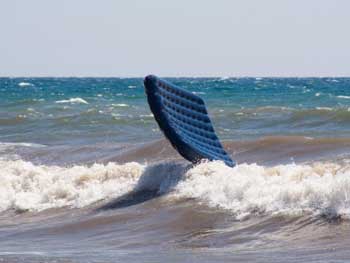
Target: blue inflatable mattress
pixel 183 118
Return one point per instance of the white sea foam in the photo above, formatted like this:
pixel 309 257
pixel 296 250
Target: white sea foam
pixel 324 108
pixel 284 189
pixel 343 97
pixel 147 115
pixel 25 84
pixel 25 186
pixel 245 190
pixel 120 105
pixel 73 101
pixel 305 90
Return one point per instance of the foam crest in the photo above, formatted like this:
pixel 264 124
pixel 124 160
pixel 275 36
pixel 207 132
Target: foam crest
pixel 25 186
pixel 285 189
pixel 245 190
pixel 343 97
pixel 25 84
pixel 73 101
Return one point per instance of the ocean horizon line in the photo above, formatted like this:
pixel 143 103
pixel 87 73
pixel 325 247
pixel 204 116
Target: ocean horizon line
pixel 179 77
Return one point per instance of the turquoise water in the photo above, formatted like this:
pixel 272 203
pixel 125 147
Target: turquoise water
pixel 81 110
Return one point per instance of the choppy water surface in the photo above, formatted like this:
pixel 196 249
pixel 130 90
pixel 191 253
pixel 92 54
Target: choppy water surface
pixel 86 175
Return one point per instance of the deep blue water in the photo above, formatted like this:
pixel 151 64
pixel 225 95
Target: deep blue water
pixel 89 110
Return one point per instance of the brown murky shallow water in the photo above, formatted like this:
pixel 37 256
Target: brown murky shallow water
pixel 287 202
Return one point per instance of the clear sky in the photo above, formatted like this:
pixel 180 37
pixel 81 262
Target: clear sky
pixel 175 38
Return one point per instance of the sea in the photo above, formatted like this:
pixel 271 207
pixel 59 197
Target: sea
pixel 86 175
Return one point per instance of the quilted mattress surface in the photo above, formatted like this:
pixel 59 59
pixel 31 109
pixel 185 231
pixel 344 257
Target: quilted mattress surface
pixel 184 120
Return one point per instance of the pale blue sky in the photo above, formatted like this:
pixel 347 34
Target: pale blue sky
pixel 175 38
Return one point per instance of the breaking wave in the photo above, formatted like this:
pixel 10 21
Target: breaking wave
pixel 245 190
pixel 25 186
pixel 320 188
